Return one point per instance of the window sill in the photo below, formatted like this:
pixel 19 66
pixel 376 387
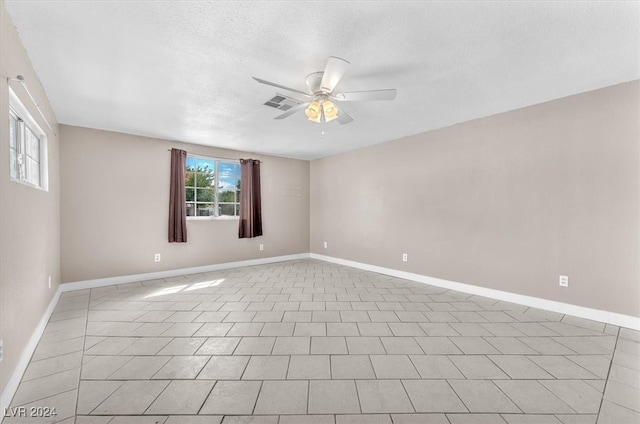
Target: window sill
pixel 212 218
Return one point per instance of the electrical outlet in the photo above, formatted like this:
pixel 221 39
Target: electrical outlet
pixel 156 257
pixel 326 244
pixel 1 351
pixel 564 281
pixel 261 246
pixel 49 281
pixel 405 257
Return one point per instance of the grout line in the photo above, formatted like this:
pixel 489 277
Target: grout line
pixel 604 390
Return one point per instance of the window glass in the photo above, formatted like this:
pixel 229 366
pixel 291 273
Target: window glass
pixel 212 187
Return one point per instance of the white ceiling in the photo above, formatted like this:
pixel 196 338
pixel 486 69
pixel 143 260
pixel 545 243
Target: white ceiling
pixel 182 70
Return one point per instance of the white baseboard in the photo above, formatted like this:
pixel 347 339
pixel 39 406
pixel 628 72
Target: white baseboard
pixel 12 385
pixel 613 318
pixel 124 279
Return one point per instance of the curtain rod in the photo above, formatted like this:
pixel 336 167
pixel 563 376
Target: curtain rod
pixel 20 78
pixel 215 157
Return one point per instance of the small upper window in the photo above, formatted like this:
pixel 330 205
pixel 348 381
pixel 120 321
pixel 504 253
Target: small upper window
pixel 212 187
pixel 27 146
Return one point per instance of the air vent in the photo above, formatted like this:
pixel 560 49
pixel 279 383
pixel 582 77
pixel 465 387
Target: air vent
pixel 282 102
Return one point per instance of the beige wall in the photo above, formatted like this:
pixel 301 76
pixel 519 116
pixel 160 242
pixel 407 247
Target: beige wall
pixel 507 202
pixel 115 191
pixel 29 218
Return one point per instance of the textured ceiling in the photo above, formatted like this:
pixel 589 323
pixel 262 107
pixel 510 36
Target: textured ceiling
pixel 182 70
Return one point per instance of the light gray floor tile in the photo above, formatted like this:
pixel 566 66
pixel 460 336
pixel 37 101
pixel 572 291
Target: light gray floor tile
pixel 475 419
pixel 218 346
pixel 93 393
pixel 364 419
pixel 473 345
pixel 266 368
pixel 520 367
pixel 311 329
pixel 151 346
pixel 307 419
pixel 246 329
pixel 561 367
pixel 333 397
pixel 132 398
pixel 181 397
pixel 193 419
pixel 435 329
pixel 406 329
pixel 546 346
pixel 477 367
pixel 483 396
pixel 255 346
pixel 383 397
pixel 532 397
pixel 374 329
pixel 433 396
pixel 580 396
pixel 393 367
pixel 181 367
pixel 110 346
pixel 342 329
pixel 282 397
pixel 250 419
pixel 217 329
pixel 48 386
pixel 140 368
pixel 54 365
pixel 64 404
pixel 419 419
pixel 435 367
pixel 313 367
pixel 278 329
pixel 232 398
pixel 557 362
pixel 530 419
pixel 625 376
pixel 510 346
pixel 351 367
pixel 292 346
pixel 365 346
pixel 611 413
pixel 401 345
pixel 328 346
pixel 437 346
pixel 622 395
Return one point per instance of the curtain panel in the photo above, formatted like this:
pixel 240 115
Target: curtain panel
pixel 177 198
pixel 250 201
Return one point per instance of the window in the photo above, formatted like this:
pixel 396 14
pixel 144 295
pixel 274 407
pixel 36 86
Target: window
pixel 27 146
pixel 212 187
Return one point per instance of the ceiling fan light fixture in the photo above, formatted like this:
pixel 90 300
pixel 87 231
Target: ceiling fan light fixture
pixel 313 111
pixel 330 111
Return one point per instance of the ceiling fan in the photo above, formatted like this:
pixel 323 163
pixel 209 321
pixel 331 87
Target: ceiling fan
pixel 320 104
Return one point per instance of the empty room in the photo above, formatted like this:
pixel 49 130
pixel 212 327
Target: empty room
pixel 319 212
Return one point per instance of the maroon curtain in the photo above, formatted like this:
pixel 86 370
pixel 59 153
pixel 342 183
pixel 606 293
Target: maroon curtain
pixel 177 198
pixel 250 205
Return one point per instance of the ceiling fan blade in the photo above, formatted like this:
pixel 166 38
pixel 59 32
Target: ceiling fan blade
pixel 292 111
pixel 273 84
pixel 333 72
pixel 363 96
pixel 343 117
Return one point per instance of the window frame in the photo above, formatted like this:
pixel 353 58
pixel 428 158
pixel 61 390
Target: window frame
pixel 216 201
pixel 25 121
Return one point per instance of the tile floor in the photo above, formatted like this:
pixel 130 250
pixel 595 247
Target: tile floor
pixel 312 342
